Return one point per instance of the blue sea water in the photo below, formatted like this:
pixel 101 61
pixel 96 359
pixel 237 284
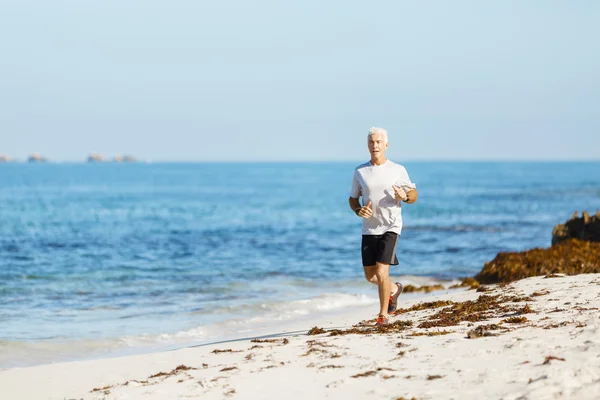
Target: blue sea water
pixel 95 257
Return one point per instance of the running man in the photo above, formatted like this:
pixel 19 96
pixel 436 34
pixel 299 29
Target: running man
pixel 383 185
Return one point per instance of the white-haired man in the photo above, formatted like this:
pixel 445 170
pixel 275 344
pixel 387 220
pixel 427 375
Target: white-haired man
pixel 383 186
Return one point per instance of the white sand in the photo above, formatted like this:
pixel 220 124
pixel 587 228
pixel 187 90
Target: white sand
pixel 509 366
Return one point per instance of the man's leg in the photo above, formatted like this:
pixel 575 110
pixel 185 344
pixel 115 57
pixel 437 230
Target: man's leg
pixel 379 274
pixel 376 272
pixel 382 271
pixel 371 276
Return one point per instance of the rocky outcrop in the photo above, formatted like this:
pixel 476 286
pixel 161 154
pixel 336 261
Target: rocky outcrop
pixel 575 250
pixel 4 158
pixel 570 257
pixel 35 157
pixel 582 228
pixel 95 157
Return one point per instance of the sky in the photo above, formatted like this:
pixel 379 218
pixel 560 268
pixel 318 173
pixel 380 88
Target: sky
pixel 272 80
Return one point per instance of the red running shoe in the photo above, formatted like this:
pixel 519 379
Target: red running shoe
pixel 393 303
pixel 382 320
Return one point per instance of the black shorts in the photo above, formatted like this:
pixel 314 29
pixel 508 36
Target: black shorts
pixel 379 248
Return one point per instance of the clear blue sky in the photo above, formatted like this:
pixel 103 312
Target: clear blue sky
pixel 300 80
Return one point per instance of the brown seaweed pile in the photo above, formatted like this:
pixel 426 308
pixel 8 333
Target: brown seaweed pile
pixel 575 250
pixel 483 331
pixel 485 307
pixel 451 314
pixel 570 257
pixel 283 341
pixel 467 282
pixel 218 351
pixel 371 373
pixel 515 320
pixel 425 306
pixel 365 329
pixel 432 333
pixel 424 289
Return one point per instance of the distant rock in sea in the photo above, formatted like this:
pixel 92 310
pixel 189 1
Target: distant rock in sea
pixel 4 158
pixel 95 157
pixel 37 158
pixel 125 159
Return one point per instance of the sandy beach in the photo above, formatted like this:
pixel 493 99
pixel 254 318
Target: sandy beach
pixel 536 338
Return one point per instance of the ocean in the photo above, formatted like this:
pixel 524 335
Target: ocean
pixel 108 259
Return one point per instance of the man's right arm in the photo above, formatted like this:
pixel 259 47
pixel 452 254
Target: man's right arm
pixel 355 193
pixel 364 211
pixel 354 205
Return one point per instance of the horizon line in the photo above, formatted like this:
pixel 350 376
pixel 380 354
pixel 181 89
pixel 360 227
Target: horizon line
pixel 299 161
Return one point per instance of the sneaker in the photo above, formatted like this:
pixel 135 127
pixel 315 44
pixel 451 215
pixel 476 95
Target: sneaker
pixel 393 303
pixel 381 320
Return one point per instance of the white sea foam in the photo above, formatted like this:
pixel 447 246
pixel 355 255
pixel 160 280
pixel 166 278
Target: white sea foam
pixel 252 321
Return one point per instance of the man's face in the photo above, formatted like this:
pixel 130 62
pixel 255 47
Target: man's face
pixel 377 145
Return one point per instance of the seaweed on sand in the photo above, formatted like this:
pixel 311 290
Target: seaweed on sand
pixel 175 371
pixel 313 350
pixel 364 374
pixel 526 310
pixel 315 330
pixel 472 311
pixel 217 351
pixel 425 306
pixel 540 293
pixel 371 373
pixel 479 332
pixel 396 326
pixel 433 377
pixel 434 333
pixel 426 288
pixel 105 388
pixel 483 308
pixel 515 320
pixel 363 329
pixel 283 341
pixel 313 343
pixel 470 282
pixel 550 358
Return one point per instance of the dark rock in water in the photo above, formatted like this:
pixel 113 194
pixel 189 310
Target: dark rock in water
pixel 571 256
pixel 584 228
pixel 125 159
pixel 35 157
pixel 95 157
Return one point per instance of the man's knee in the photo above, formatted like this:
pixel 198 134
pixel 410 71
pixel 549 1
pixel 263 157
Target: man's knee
pixel 382 271
pixel 371 274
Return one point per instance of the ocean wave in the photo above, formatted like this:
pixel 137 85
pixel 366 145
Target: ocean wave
pixel 455 228
pixel 242 321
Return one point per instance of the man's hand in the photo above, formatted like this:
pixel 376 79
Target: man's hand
pixel 399 193
pixel 365 211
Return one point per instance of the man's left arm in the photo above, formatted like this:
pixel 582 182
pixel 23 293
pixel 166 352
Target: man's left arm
pixel 412 195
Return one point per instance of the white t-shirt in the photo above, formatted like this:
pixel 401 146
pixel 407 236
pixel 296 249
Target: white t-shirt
pixel 374 183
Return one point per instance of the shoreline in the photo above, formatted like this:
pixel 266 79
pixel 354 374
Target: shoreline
pixel 549 348
pixel 261 320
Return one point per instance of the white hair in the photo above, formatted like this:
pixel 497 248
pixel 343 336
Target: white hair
pixel 380 131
